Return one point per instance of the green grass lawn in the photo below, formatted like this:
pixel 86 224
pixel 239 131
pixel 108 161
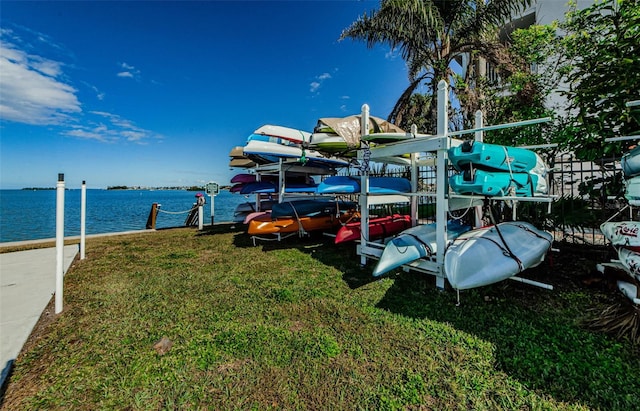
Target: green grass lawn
pixel 301 325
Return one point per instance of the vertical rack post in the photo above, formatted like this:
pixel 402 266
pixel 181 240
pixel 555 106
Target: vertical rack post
pixel 59 243
pixel 479 136
pixel 441 181
pixel 414 182
pixel 364 184
pixel 83 219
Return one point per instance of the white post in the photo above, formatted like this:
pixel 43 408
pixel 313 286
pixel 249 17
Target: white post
pixel 212 199
pixel 364 185
pixel 414 182
pixel 441 181
pixel 200 217
pixel 83 219
pixel 59 243
pixel 479 136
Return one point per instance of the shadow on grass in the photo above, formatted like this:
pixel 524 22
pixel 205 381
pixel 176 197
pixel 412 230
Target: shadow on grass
pixel 539 335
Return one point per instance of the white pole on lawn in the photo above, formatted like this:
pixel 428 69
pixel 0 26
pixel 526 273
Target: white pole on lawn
pixel 200 217
pixel 441 181
pixel 364 185
pixel 83 219
pixel 479 136
pixel 59 242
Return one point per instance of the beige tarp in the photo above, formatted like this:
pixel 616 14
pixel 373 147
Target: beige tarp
pixel 349 127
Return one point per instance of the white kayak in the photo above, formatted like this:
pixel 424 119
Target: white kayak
pixel 630 291
pixel 622 234
pixel 630 261
pixel 286 133
pixel 412 244
pixel 491 254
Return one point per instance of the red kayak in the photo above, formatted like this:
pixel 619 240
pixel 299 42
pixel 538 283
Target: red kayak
pixel 378 228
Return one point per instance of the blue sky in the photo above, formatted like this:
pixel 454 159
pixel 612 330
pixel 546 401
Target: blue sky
pixel 158 93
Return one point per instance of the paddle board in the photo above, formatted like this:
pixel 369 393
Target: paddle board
pixel 273 151
pixel 308 207
pixel 414 243
pixel 630 291
pixel 481 257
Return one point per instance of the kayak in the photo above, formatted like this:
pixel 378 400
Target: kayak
pixel 380 227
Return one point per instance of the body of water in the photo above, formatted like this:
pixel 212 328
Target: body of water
pixel 31 214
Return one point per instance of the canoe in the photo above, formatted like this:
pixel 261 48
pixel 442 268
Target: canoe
pixel 632 190
pixel 309 207
pixel 266 225
pixel 377 185
pixel 287 133
pixel 497 183
pixel 623 234
pixel 273 152
pixel 481 257
pixel 492 156
pixel 414 243
pixel 630 261
pixel 380 227
pixel 630 163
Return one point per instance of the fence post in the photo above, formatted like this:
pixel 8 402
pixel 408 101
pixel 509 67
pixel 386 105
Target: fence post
pixel 59 243
pixel 200 217
pixel 151 220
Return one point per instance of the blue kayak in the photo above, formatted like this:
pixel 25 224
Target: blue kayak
pixel 492 156
pixel 311 207
pixel 489 183
pixel 377 185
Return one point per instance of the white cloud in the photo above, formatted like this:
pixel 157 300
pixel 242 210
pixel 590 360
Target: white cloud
pixel 315 85
pixel 116 129
pixel 129 71
pixel 31 88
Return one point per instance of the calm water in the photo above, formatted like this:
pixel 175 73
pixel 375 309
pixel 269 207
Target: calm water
pixel 30 215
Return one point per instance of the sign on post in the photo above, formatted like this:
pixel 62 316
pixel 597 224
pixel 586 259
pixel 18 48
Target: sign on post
pixel 212 189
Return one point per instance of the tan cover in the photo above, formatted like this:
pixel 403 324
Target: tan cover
pixel 349 127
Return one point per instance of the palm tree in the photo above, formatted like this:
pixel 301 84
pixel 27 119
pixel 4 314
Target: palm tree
pixel 435 36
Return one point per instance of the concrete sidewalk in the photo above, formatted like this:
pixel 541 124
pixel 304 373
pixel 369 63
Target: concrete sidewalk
pixel 27 283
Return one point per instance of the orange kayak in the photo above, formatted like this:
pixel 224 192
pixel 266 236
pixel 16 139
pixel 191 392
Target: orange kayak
pixel 265 225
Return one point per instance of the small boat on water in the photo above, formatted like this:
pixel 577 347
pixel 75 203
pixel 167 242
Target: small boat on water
pixel 414 243
pixel 492 156
pixel 380 227
pixel 491 254
pixel 622 234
